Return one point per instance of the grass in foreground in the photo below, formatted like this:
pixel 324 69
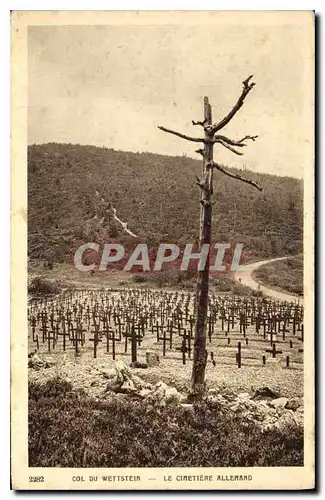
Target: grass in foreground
pixel 68 429
pixel 283 274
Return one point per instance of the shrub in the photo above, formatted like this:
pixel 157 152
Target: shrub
pixel 241 290
pixel 139 278
pixel 40 286
pixel 68 429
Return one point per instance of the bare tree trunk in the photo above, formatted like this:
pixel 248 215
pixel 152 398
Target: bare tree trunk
pixel 202 291
pixel 206 185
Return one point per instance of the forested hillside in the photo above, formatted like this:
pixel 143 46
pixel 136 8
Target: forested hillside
pixel 158 197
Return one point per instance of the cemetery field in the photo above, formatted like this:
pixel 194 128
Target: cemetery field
pixel 251 342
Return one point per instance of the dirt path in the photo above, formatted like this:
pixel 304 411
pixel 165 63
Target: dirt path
pixel 245 277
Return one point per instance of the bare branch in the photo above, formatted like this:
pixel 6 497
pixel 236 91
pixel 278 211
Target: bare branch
pixel 247 87
pixel 247 137
pixel 183 136
pixel 236 176
pixel 239 143
pixel 200 151
pixel 227 145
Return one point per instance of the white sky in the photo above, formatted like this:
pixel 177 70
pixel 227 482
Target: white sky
pixel 112 85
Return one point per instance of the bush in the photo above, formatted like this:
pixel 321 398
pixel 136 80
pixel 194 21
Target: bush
pixel 40 286
pixel 68 429
pixel 241 290
pixel 139 278
pixel 173 278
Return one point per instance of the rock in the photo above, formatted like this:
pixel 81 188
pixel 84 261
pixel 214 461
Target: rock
pixel 187 406
pixel 160 388
pixel 264 413
pixel 299 414
pixel 287 419
pixel 242 406
pixel 294 404
pixel 217 398
pixel 229 396
pixel 243 396
pixel 279 403
pixel 172 395
pixel 107 373
pixel 144 393
pixel 36 362
pixel 125 381
pixel 265 392
pixel 152 359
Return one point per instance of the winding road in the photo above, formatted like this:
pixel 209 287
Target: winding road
pixel 244 276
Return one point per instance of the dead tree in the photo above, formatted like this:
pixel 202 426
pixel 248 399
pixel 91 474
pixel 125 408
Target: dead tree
pixel 211 137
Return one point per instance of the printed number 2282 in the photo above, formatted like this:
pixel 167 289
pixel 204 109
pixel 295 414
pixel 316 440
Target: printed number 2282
pixel 36 479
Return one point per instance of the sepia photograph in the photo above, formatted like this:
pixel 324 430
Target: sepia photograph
pixel 163 250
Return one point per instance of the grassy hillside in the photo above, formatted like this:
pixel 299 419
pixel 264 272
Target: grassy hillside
pixel 287 275
pixel 159 199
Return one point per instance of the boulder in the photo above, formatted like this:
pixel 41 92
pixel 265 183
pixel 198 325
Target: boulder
pixel 279 403
pixel 294 403
pixel 265 392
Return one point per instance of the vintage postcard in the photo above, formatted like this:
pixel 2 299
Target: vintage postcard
pixel 162 250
